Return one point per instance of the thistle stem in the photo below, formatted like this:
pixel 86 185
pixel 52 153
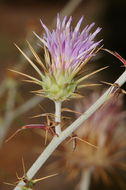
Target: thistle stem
pixel 58 117
pixel 85 180
pixel 67 132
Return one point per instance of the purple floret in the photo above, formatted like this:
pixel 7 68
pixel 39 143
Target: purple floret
pixel 70 47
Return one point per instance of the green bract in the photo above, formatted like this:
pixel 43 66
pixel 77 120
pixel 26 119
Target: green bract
pixel 59 87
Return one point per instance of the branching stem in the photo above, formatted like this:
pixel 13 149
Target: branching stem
pixel 68 131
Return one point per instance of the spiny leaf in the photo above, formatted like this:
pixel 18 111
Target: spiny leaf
pixel 87 142
pixel 88 85
pixel 31 81
pixel 29 60
pixel 31 126
pixel 13 135
pixel 69 110
pixel 37 91
pixel 104 82
pixel 6 183
pixel 78 68
pixel 28 76
pixel 43 178
pixel 36 57
pixel 44 115
pixel 90 74
pixel 116 55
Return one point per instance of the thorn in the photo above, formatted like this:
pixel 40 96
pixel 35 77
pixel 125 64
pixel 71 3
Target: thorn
pixel 13 135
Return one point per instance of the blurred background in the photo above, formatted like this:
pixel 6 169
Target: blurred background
pixel 18 21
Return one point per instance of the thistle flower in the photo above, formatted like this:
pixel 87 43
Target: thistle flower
pixel 66 52
pixel 104 129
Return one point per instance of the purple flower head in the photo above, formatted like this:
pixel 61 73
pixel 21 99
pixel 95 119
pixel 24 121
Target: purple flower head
pixel 66 52
pixel 70 47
